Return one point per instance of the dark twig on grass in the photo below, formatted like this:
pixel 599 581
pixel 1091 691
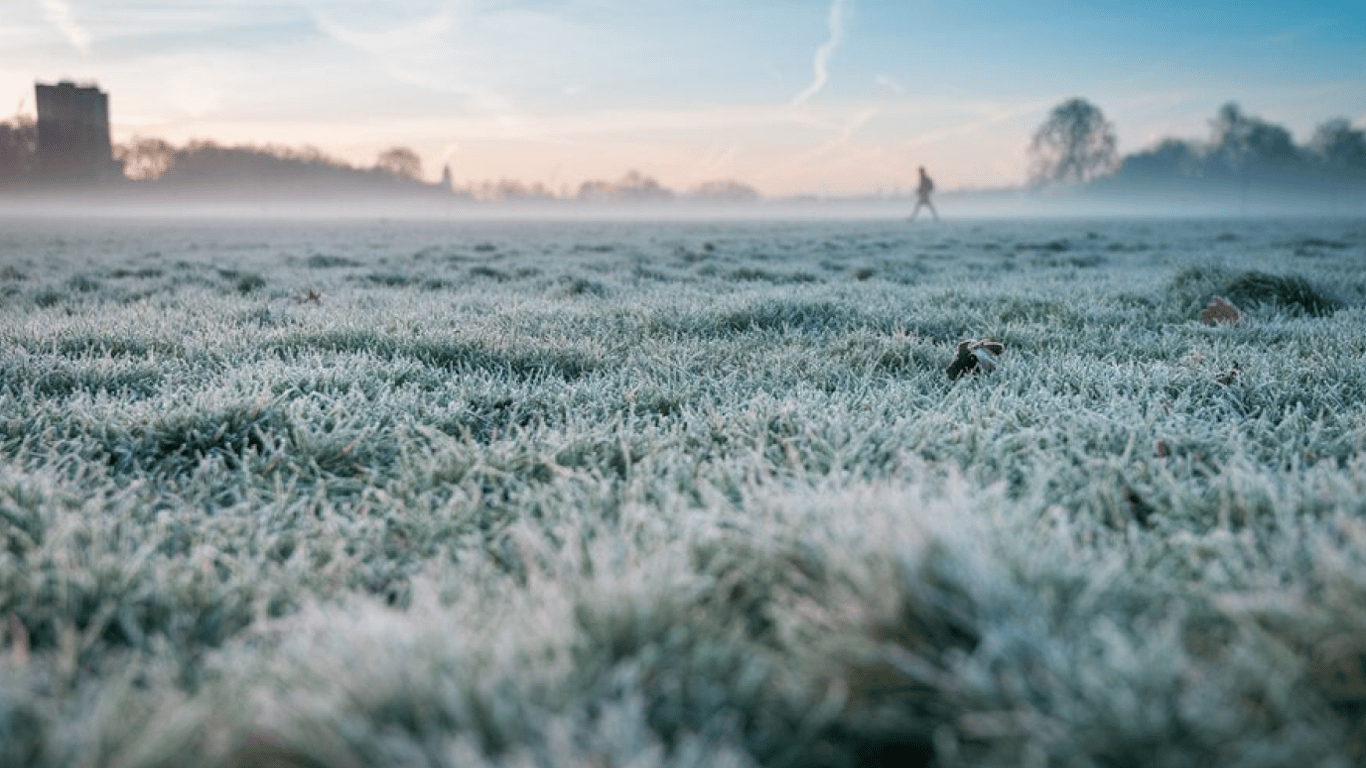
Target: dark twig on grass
pixel 1228 377
pixel 975 357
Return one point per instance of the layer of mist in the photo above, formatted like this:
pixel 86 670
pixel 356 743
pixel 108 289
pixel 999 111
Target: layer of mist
pixel 1247 167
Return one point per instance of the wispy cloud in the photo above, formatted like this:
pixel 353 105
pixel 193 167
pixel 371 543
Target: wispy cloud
pixel 59 14
pixel 422 49
pixel 890 83
pixel 821 63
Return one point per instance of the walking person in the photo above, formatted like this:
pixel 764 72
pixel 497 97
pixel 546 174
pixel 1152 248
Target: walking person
pixel 922 195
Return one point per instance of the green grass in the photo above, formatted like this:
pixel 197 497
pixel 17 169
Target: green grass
pixel 681 495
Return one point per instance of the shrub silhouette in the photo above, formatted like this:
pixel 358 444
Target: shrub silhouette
pixel 1289 291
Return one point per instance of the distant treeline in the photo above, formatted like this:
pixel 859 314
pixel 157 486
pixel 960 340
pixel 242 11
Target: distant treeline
pixel 156 164
pixel 631 188
pixel 1243 149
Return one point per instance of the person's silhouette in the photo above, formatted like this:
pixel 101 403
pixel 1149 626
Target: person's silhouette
pixel 922 195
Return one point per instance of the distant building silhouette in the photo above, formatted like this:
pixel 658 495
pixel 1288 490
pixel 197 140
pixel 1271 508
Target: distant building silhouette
pixel 73 132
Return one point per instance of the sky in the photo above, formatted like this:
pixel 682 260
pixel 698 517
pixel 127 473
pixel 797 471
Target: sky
pixel 824 97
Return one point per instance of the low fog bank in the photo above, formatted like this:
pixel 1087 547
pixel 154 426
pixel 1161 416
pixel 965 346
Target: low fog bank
pixel 1157 200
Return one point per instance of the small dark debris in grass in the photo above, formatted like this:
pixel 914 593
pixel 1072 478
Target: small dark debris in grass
pixel 1139 508
pixel 309 296
pixel 1227 378
pixel 975 357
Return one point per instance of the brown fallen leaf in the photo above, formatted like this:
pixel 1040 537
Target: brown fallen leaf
pixel 975 357
pixel 1221 311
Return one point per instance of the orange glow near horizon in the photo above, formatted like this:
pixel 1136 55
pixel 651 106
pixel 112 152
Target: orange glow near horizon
pixel 823 97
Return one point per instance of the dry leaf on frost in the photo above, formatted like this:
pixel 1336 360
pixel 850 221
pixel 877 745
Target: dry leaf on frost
pixel 975 357
pixel 1221 312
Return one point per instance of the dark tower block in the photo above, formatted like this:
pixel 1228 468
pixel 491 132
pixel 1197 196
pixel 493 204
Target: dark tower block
pixel 73 132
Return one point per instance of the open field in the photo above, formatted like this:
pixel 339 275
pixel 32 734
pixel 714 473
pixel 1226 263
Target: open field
pixel 332 495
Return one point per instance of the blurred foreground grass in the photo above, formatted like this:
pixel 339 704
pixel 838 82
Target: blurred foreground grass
pixel 567 494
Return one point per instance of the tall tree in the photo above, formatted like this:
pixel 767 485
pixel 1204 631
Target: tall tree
pixel 401 162
pixel 1241 141
pixel 145 159
pixel 18 147
pixel 1076 143
pixel 1339 145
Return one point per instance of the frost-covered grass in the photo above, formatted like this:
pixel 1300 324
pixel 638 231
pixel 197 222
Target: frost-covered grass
pixel 531 494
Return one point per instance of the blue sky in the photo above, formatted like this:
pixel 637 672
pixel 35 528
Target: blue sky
pixel 824 96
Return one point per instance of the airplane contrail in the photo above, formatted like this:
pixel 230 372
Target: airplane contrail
pixel 821 63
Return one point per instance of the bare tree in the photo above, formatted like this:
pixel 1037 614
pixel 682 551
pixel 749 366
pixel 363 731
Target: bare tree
pixel 145 159
pixel 401 162
pixel 1076 143
pixel 18 147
